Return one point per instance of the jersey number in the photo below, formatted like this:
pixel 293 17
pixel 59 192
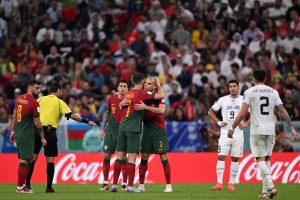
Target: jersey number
pixel 265 104
pixel 231 115
pixel 19 113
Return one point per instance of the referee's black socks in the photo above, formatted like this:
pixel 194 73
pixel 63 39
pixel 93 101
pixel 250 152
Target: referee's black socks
pixel 50 174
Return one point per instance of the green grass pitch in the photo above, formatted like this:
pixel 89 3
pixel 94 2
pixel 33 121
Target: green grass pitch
pixel 153 192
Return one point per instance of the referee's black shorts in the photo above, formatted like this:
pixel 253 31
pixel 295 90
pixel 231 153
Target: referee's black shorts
pixel 50 150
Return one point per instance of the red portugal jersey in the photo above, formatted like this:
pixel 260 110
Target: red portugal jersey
pixel 154 118
pixel 26 109
pixel 131 119
pixel 114 108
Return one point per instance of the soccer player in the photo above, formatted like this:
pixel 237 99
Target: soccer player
pixel 154 138
pixel 264 102
pixel 230 106
pixel 130 129
pixel 26 113
pixel 113 116
pixel 51 109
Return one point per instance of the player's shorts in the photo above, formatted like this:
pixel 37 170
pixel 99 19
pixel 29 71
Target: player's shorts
pixel 50 150
pixel 25 148
pixel 233 146
pixel 262 145
pixel 110 143
pixel 154 140
pixel 129 142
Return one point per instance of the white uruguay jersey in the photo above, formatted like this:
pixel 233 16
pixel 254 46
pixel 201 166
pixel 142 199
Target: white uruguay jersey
pixel 262 101
pixel 230 109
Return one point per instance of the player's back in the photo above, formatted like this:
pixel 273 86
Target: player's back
pixel 24 108
pixel 262 100
pixel 113 105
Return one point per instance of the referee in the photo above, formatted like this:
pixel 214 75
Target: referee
pixel 51 110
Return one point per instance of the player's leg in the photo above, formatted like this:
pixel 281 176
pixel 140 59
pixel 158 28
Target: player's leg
pixel 270 141
pixel 124 173
pixel 236 152
pixel 51 151
pixel 258 149
pixel 223 151
pixel 167 171
pixel 105 169
pixel 146 150
pixel 25 153
pixel 133 147
pixel 142 172
pixel 108 149
pixel 120 149
pixel 37 148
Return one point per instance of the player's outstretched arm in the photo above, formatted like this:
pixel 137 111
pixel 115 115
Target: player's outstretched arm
pixel 83 120
pixel 211 113
pixel 286 117
pixel 238 119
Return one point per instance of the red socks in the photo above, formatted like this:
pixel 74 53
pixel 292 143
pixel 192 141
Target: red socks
pixel 117 170
pixel 142 170
pixel 131 173
pixel 105 169
pixel 22 173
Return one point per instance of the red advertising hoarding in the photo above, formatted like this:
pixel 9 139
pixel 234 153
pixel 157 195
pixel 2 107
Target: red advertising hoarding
pixel 185 168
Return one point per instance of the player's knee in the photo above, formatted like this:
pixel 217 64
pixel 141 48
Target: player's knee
pixel 234 159
pixel 107 156
pixel 145 156
pixel 222 158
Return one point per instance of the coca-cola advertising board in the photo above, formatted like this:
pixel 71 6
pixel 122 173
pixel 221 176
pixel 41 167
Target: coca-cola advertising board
pixel 185 168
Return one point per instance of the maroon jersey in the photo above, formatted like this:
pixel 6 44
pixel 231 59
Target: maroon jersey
pixel 154 118
pixel 26 109
pixel 114 108
pixel 131 119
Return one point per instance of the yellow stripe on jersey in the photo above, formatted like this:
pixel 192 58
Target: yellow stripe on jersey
pixel 51 109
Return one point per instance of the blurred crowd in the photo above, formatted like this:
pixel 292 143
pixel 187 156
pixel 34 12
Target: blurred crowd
pixel 194 46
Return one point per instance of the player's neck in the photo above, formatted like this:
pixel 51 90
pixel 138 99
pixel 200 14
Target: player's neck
pixel 120 96
pixel 234 96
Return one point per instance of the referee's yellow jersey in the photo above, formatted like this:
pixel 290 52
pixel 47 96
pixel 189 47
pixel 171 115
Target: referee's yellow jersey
pixel 51 109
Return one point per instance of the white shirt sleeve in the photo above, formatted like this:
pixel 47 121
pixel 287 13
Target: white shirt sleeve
pixel 246 97
pixel 218 105
pixel 278 100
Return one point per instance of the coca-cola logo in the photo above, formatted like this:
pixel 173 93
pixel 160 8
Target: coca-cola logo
pixel 69 169
pixel 282 171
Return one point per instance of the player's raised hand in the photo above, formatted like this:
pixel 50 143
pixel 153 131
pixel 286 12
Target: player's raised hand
pixel 12 137
pixel 230 133
pixel 140 106
pixel 294 133
pixel 93 124
pixel 102 133
pixel 44 141
pixel 157 81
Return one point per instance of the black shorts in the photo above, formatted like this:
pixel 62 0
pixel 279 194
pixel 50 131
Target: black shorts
pixel 50 150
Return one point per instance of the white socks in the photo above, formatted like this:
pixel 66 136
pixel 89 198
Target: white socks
pixel 220 171
pixel 234 168
pixel 266 175
pixel 265 190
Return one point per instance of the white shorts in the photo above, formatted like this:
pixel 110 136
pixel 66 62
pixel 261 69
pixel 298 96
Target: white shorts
pixel 262 145
pixel 234 146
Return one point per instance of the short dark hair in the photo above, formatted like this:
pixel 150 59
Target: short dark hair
pixel 123 81
pixel 137 78
pixel 33 82
pixel 233 81
pixel 54 87
pixel 259 75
